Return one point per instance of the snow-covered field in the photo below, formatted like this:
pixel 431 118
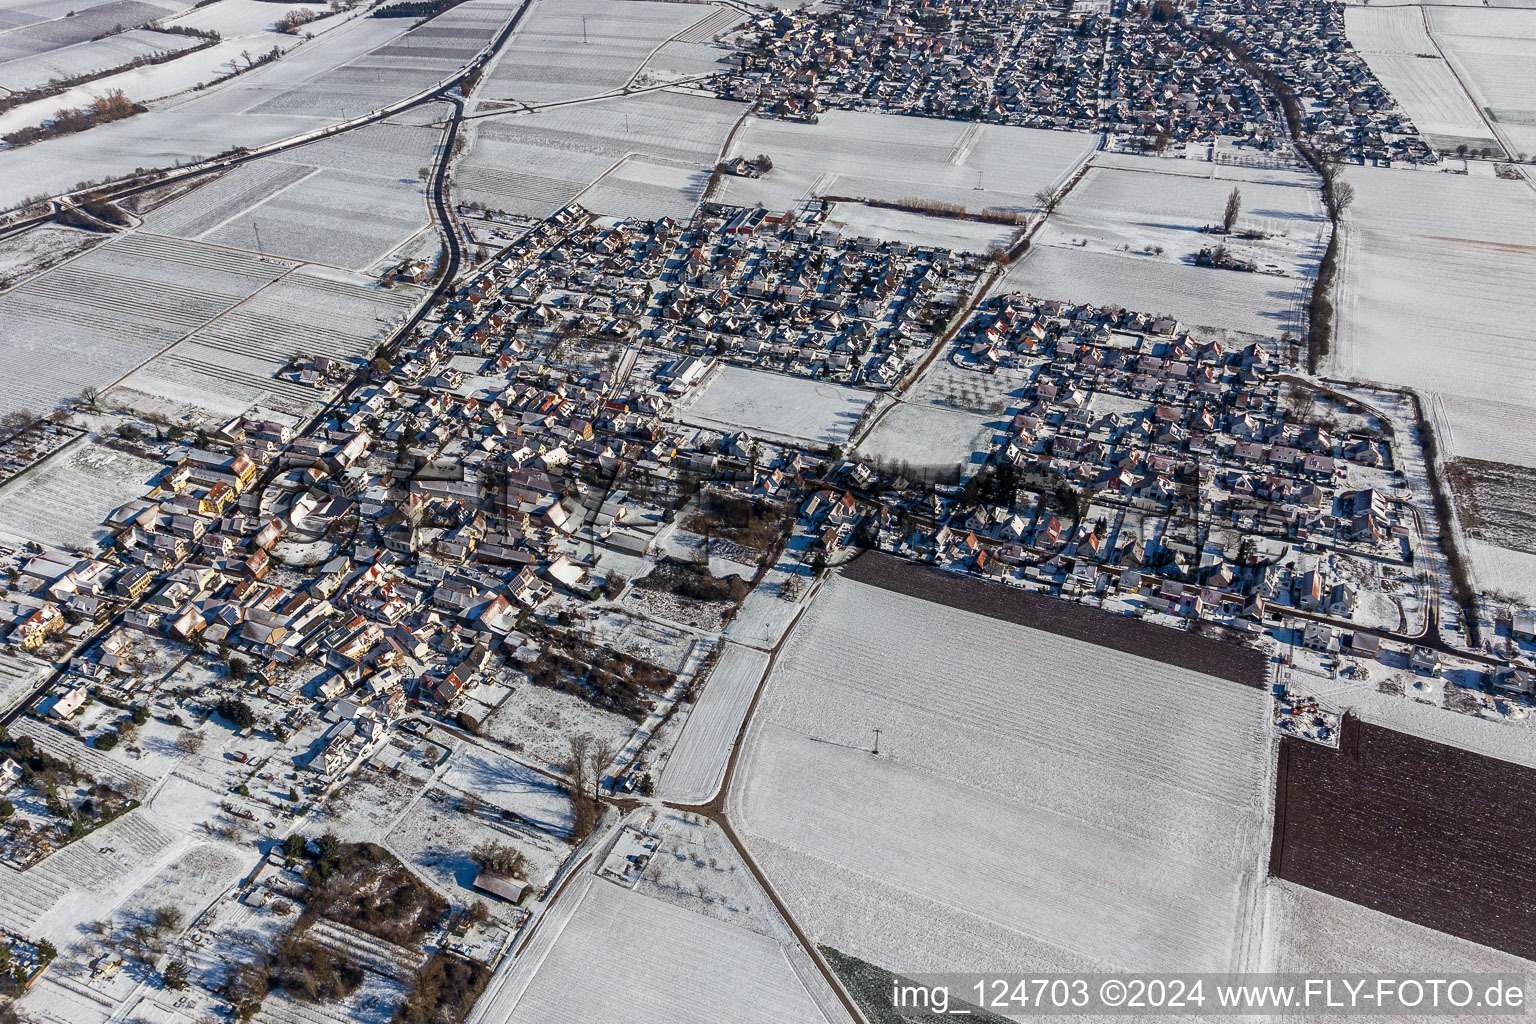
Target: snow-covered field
pixel 1309 931
pixel 1063 806
pixel 228 364
pixel 615 955
pixel 1494 52
pixel 537 722
pixel 358 66
pixel 697 765
pixel 1128 233
pixel 1250 303
pixel 62 501
pixel 1436 296
pixel 931 438
pixel 345 202
pixel 580 48
pixel 659 147
pixel 94 319
pixel 1503 570
pixel 1395 42
pixel 891 157
pixel 1124 210
pixel 30 29
pixel 88 57
pixel 776 405
pixel 48 245
pixel 948 419
pixel 856 219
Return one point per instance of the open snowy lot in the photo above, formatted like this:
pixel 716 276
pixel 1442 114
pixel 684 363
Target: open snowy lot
pixel 891 157
pixel 1129 211
pixel 1395 42
pixel 775 405
pixel 1250 303
pixel 615 955
pixel 1494 53
pixel 697 765
pixel 659 148
pixel 580 48
pixel 1065 806
pixel 948 420
pixel 1436 294
pixel 62 501
pixel 855 220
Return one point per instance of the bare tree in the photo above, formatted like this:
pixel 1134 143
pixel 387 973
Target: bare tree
pixel 599 759
pixel 1047 198
pixel 1340 195
pixel 1234 207
pixel 90 397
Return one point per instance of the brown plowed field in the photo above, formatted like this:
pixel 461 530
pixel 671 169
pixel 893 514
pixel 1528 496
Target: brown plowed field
pixel 1416 829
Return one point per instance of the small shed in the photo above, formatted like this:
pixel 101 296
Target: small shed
pixel 509 889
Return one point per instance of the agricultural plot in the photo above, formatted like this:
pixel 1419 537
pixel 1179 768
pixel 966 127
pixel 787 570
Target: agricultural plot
pixel 63 28
pixel 774 405
pixel 659 147
pixel 95 318
pixel 624 956
pixel 1494 504
pixel 415 61
pixel 697 765
pixel 19 675
pixel 1307 931
pixel 348 70
pixel 62 501
pixel 1142 213
pixel 888 157
pixel 1494 52
pixel 345 201
pixel 946 422
pixel 855 220
pixel 1434 296
pixel 582 48
pixel 228 365
pixel 37 249
pixel 680 60
pixel 1395 42
pixel 89 57
pixel 1257 304
pixel 1068 806
pixel 1367 823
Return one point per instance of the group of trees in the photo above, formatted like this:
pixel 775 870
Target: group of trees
pixel 114 106
pixel 589 761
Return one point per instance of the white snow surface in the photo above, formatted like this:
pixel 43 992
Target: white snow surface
pixel 622 957
pixel 1435 295
pixel 891 157
pixel 777 406
pixel 1061 805
pixel 697 765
